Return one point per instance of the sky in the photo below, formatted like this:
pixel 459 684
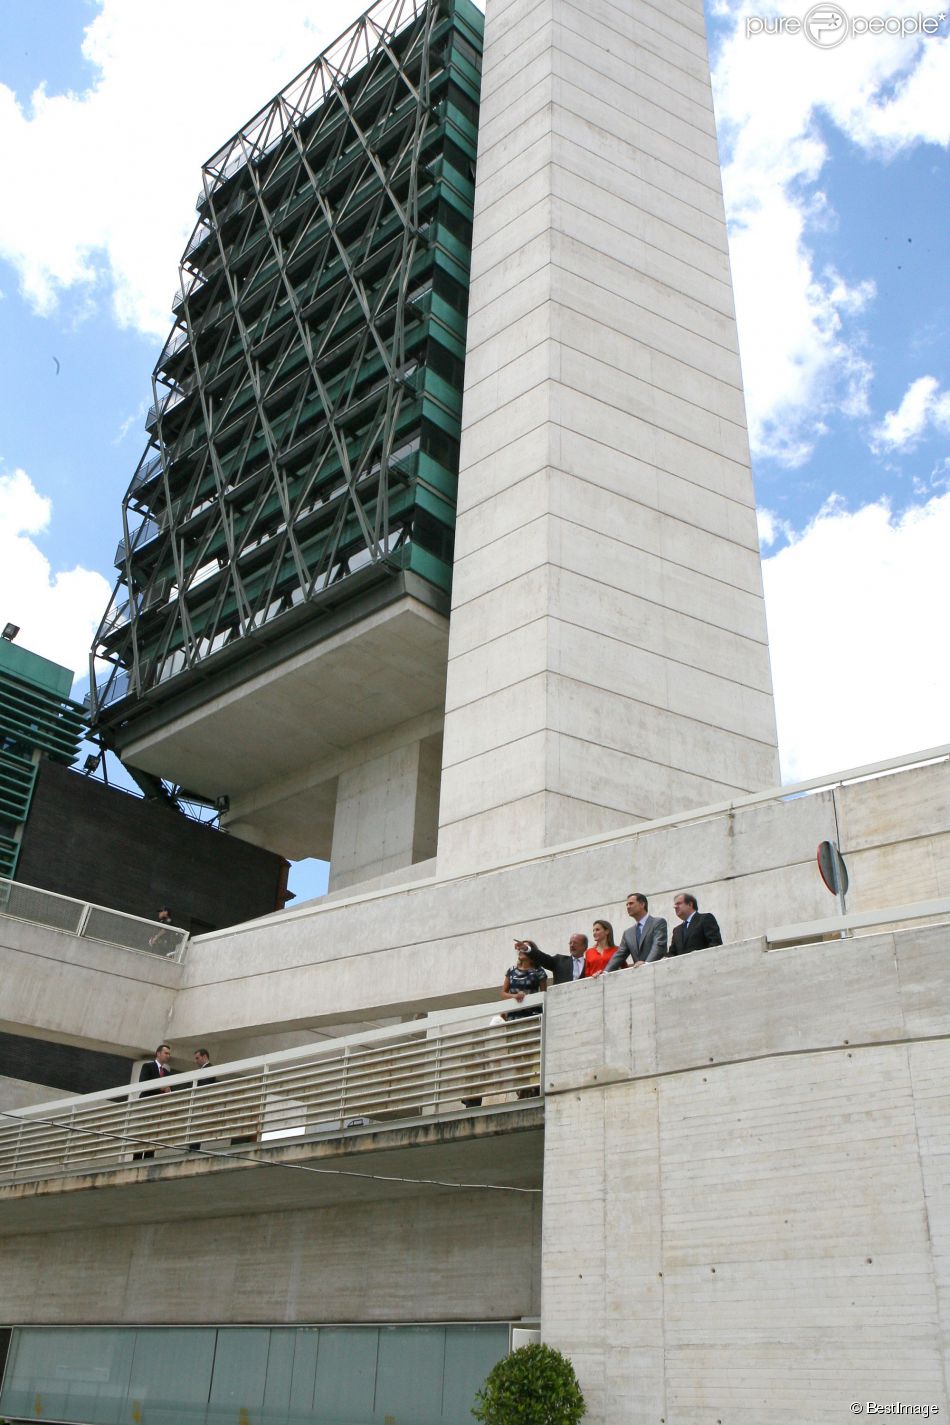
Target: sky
pixel 835 174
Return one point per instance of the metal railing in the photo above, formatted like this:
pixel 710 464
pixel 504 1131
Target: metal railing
pixel 91 922
pixel 808 931
pixel 402 1074
pixel 145 471
pixel 147 530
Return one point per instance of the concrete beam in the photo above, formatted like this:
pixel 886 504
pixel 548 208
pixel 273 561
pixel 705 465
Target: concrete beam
pixel 80 991
pixel 269 1244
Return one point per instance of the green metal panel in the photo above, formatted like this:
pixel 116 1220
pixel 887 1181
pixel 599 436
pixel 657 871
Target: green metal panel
pixel 240 1374
pixel 278 1376
pixel 303 1372
pixel 470 1353
pixel 36 718
pixel 38 672
pixel 32 718
pixel 345 1386
pixel 17 778
pixel 409 1376
pixel 9 852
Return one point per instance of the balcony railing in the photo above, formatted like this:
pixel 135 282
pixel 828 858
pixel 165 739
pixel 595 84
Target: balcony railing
pixel 140 536
pixel 111 689
pixel 406 1074
pixel 91 922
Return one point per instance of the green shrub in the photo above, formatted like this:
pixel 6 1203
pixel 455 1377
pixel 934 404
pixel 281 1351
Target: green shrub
pixel 535 1385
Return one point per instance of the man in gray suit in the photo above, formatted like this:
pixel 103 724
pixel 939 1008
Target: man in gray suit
pixel 645 940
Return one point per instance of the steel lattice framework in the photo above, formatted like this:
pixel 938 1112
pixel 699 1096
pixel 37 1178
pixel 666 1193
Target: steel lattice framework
pixel 303 441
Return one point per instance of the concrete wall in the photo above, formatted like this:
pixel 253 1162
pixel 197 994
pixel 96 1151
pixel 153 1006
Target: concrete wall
pixel 461 1256
pixel 20 1093
pixel 76 991
pixel 747 1207
pixel 445 941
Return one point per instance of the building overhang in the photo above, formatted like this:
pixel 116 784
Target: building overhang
pixel 273 718
pixel 503 1148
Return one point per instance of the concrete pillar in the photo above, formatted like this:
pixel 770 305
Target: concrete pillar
pixel 608 655
pixel 387 812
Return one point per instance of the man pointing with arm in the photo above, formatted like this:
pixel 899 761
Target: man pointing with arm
pixel 564 968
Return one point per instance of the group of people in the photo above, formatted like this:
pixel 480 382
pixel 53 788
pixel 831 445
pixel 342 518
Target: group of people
pixel 645 941
pixel 642 943
pixel 157 1068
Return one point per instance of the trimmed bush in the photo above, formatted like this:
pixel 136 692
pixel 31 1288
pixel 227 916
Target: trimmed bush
pixel 535 1385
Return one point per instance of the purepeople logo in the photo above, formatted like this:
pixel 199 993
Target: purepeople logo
pixel 827 25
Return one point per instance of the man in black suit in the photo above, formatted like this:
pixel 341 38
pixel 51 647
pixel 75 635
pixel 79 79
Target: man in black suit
pixel 564 968
pixel 645 940
pixel 202 1061
pixel 697 930
pixel 156 1068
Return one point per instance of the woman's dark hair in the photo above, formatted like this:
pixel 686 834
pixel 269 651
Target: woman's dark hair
pixel 528 947
pixel 609 929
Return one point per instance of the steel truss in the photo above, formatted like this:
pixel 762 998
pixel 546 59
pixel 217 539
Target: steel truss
pixel 303 439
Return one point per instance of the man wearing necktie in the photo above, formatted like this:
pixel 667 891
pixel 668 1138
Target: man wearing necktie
pixel 645 940
pixel 156 1068
pixel 698 930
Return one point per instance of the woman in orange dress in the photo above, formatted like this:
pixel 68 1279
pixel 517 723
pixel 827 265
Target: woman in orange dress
pixel 602 951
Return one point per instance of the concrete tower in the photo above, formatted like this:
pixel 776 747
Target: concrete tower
pixel 608 655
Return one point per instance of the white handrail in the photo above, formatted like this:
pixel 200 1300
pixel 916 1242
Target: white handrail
pixel 426 1068
pixel 806 930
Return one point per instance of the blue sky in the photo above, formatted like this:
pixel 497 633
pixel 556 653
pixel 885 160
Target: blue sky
pixel 835 174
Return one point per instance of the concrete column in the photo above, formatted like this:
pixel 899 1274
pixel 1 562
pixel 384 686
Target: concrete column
pixel 608 656
pixel 386 813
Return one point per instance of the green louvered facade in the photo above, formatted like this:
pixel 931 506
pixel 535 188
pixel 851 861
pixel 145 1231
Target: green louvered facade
pixel 37 718
pixel 302 457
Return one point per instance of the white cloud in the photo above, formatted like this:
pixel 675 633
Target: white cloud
pixel 131 422
pixel 799 322
pixel 771 527
pixel 59 612
pixel 170 82
pixel 100 187
pixel 924 405
pixel 855 607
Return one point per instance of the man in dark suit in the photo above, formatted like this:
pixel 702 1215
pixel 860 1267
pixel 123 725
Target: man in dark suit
pixel 202 1061
pixel 697 930
pixel 564 968
pixel 645 940
pixel 156 1068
